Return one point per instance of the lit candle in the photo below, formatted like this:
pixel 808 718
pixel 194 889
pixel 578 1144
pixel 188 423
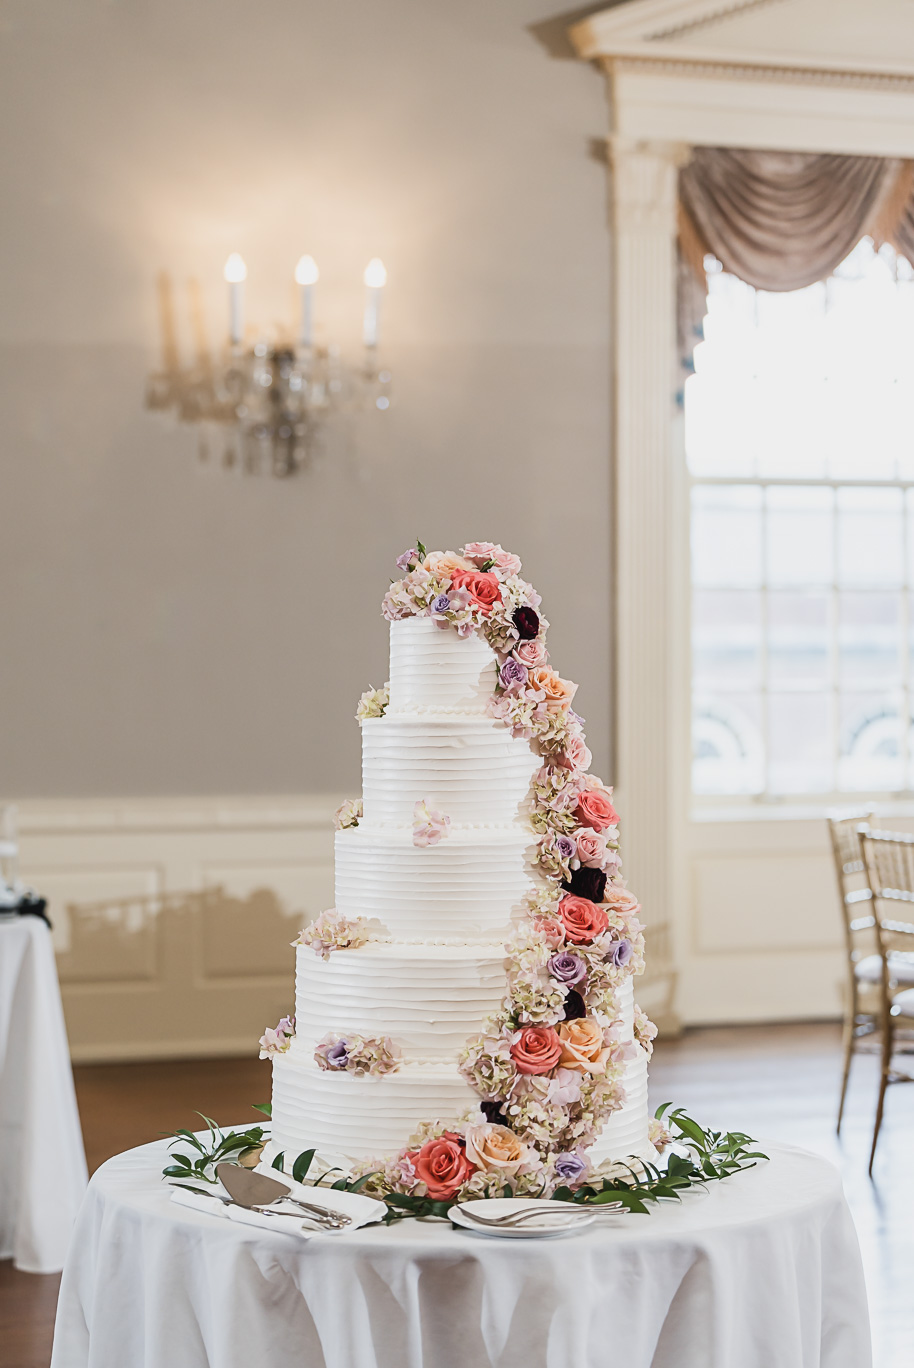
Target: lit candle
pixel 306 273
pixel 236 274
pixel 375 278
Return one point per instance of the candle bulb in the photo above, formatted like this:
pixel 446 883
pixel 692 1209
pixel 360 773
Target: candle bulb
pixel 375 278
pixel 236 273
pixel 306 274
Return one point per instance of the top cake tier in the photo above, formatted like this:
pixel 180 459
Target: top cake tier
pixel 435 670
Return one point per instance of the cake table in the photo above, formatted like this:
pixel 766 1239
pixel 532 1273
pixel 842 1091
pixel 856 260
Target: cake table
pixel 759 1270
pixel 42 1161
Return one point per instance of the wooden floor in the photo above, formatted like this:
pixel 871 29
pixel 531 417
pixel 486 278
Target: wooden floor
pixel 776 1082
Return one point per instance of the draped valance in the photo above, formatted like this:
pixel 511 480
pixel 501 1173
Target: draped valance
pixel 783 220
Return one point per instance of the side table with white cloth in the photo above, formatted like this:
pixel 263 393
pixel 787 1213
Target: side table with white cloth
pixel 42 1161
pixel 761 1270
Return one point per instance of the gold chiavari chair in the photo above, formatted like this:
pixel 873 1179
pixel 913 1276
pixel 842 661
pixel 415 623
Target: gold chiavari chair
pixel 889 862
pixel 863 967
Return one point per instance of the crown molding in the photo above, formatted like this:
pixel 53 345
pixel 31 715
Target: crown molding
pixel 646 29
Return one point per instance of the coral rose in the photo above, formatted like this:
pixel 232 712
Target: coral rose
pixel 495 1149
pixel 442 1165
pixel 557 692
pixel 536 1050
pixel 583 920
pixel 482 587
pixel 531 653
pixel 595 809
pixel 582 1046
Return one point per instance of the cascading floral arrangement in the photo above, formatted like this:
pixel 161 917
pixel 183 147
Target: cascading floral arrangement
pixel 548 1066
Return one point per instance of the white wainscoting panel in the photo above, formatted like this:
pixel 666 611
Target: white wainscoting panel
pixel 173 917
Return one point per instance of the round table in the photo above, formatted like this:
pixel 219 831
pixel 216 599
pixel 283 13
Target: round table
pixel 42 1161
pixel 759 1271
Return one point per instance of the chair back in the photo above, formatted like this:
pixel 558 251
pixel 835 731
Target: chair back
pixel 854 894
pixel 889 860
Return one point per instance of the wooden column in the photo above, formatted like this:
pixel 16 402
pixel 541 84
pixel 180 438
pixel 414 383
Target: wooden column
pixel 651 683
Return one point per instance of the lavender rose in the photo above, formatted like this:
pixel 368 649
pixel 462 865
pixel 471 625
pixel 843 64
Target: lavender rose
pixel 405 561
pixel 571 1167
pixel 568 968
pixel 513 675
pixel 619 953
pixel 440 604
pixel 527 622
pixel 337 1056
pixel 565 847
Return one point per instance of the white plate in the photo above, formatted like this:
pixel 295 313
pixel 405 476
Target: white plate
pixel 550 1227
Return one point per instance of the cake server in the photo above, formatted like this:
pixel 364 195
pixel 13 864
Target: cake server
pixel 253 1190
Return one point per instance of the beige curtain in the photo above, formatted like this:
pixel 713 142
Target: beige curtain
pixel 782 220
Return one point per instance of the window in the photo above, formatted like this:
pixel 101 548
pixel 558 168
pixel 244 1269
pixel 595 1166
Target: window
pixel 800 447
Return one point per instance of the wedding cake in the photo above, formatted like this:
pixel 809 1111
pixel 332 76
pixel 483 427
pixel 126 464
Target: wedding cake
pixel 464 1015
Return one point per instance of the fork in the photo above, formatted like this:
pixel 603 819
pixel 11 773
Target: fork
pixel 579 1216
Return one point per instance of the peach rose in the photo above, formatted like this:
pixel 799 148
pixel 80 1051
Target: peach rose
pixel 582 1046
pixel 595 809
pixel 583 920
pixel 495 1149
pixel 531 653
pixel 442 1165
pixel 482 587
pixel 591 847
pixel 445 563
pixel 536 1050
pixel 621 899
pixel 558 692
pixel 575 755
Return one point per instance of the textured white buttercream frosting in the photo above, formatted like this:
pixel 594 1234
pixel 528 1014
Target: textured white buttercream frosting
pixel 432 668
pixel 436 744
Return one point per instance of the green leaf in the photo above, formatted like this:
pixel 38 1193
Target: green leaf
pixel 265 1107
pixel 302 1164
pixel 340 1184
pixel 174 1171
pixel 190 1138
pixel 420 547
pixel 360 1182
pixel 278 1162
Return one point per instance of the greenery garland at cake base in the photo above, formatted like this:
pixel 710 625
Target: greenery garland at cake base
pixel 695 1156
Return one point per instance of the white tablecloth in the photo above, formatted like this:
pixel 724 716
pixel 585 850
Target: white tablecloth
pixel 42 1161
pixel 761 1271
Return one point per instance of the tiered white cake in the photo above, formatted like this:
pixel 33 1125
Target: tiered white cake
pixel 434 968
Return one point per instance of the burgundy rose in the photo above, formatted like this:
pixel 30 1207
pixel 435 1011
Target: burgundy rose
pixel 574 1006
pixel 527 622
pixel 587 883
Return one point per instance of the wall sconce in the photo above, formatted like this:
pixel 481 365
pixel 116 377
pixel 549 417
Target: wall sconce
pixel 271 400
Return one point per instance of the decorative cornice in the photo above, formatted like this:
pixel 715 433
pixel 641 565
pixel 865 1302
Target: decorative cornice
pixel 713 16
pixel 706 67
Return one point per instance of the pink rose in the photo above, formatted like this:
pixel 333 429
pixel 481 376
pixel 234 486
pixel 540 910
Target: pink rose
pixel 483 589
pixel 583 920
pixel 442 1165
pixel 536 1050
pixel 480 552
pixel 575 755
pixel 595 809
pixel 531 653
pixel 506 561
pixel 591 847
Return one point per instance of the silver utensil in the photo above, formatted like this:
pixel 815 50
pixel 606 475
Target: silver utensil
pixel 578 1217
pixel 257 1192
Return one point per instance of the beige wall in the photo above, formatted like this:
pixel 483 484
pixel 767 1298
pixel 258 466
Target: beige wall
pixel 166 630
